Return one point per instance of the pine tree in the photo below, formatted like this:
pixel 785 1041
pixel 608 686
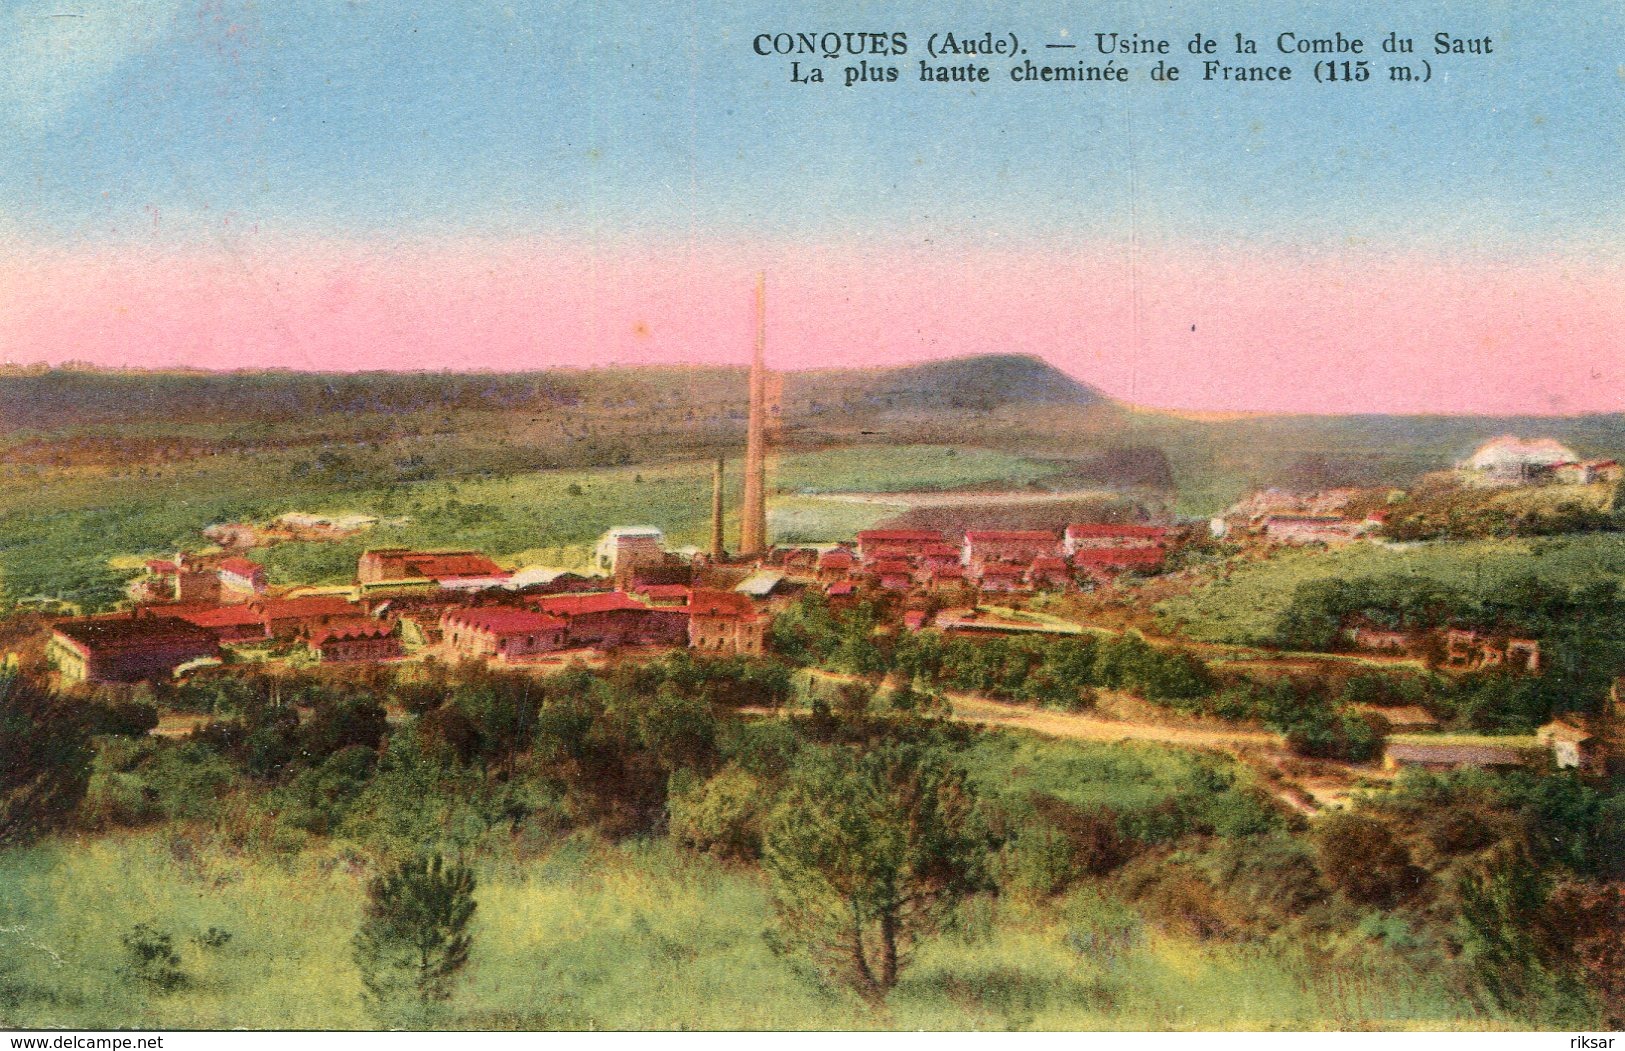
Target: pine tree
pixel 415 937
pixel 869 852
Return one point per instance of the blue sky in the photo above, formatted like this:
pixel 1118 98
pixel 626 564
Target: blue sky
pixel 171 121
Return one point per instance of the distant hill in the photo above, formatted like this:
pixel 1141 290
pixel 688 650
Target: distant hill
pixel 977 383
pixel 429 424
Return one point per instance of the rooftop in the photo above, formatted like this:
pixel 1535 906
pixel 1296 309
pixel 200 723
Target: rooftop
pixel 119 632
pixel 504 620
pixel 592 602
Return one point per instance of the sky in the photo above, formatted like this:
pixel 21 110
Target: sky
pixel 350 184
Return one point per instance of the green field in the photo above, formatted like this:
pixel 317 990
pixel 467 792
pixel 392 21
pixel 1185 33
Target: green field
pixel 1244 607
pixel 578 933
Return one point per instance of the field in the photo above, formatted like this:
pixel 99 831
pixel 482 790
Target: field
pixel 61 530
pixel 581 933
pixel 1243 606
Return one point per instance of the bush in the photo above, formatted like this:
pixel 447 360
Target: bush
pixel 45 758
pixel 150 958
pixel 722 816
pixel 1361 856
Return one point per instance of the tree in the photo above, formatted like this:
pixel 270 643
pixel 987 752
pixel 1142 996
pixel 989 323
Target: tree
pixel 1361 857
pixel 868 852
pixel 415 937
pixel 45 756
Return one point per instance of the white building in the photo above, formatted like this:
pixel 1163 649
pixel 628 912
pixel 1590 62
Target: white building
pixel 1511 460
pixel 642 543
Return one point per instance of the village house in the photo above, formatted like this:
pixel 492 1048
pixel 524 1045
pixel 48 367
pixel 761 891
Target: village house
pixel 230 624
pixel 445 567
pixel 940 578
pixel 763 584
pixel 1102 565
pixel 986 546
pixel 892 574
pixel 184 578
pixel 287 618
pixel 835 565
pixel 124 648
pixel 1049 573
pixel 1449 753
pixel 1001 578
pixel 1573 747
pixel 355 639
pixel 725 623
pixel 1516 461
pixel 241 577
pixel 1081 536
pixel 624 549
pixel 843 594
pixel 874 544
pixel 504 632
pixel 613 618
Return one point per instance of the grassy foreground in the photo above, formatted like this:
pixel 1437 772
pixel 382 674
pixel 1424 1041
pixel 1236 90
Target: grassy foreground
pixel 634 936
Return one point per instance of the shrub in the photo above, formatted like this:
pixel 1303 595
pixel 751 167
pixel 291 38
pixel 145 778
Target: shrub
pixel 150 957
pixel 722 816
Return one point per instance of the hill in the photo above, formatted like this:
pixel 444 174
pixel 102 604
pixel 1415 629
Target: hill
pixel 378 428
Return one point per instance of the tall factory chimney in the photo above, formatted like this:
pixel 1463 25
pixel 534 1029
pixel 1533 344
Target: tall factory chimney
pixel 753 517
pixel 717 551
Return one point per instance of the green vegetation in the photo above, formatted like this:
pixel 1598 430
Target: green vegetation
pixel 621 832
pixel 879 468
pixel 1247 604
pixel 415 939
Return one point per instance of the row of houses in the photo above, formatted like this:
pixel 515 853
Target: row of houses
pixel 993 560
pixel 455 603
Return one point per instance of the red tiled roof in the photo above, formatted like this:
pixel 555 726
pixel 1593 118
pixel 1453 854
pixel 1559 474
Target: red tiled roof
pixel 954 570
pixel 505 620
pixel 599 602
pixel 664 590
pixel 120 632
pixel 358 628
pixel 978 536
pixel 161 565
pixel 843 587
pixel 1104 530
pixel 915 536
pixel 241 566
pixel 1000 570
pixel 1049 562
pixel 837 558
pixel 452 564
pixel 940 551
pixel 891 566
pixel 719 604
pixel 221 617
pixel 312 606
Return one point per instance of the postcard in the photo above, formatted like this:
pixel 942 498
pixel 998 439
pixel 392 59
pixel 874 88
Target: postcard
pixel 827 517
